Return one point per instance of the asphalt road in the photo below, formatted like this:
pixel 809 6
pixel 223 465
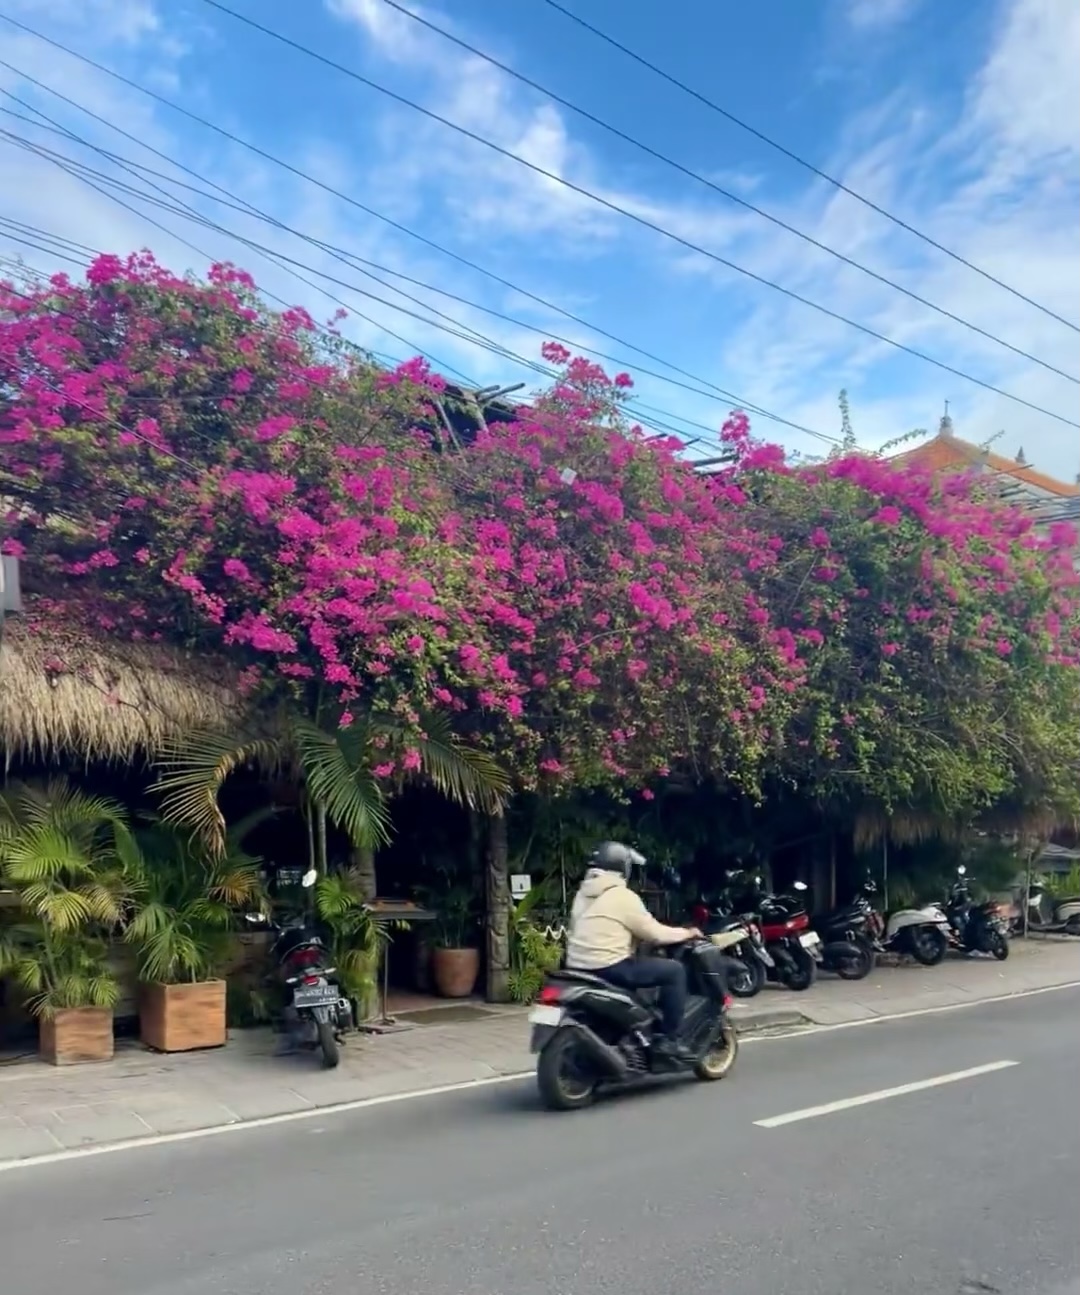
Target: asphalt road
pixel 967 1187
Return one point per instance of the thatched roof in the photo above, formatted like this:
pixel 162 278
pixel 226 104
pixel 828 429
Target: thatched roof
pixel 95 698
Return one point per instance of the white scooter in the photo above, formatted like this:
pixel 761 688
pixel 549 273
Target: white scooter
pixel 1048 916
pixel 921 932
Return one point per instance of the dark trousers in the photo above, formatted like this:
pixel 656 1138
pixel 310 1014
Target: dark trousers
pixel 664 974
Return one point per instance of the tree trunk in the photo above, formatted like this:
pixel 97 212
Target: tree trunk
pixel 363 862
pixel 497 888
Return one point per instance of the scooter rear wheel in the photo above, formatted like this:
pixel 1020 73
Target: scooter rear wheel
pixel 328 1044
pixel 562 1075
pixel 858 965
pixel 929 946
pixel 803 974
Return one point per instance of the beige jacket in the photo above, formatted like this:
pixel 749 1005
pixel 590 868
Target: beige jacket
pixel 605 921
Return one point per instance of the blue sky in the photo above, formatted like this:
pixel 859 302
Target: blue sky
pixel 962 118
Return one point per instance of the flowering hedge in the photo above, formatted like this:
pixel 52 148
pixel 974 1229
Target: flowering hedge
pixel 194 467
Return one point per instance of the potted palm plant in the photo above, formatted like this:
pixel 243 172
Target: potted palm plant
pixel 68 858
pixel 185 910
pixel 455 959
pixel 68 987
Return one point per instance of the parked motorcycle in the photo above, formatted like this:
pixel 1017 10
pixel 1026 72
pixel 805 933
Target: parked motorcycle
pixel 316 1013
pixel 589 1035
pixel 975 928
pixel 1046 915
pixel 795 949
pixel 741 939
pixel 921 932
pixel 849 937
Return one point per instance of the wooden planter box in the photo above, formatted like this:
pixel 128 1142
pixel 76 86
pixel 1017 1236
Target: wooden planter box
pixel 455 971
pixel 183 1018
pixel 77 1034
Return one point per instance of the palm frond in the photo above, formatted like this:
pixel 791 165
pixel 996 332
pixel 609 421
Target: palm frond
pixel 43 852
pixel 193 772
pixel 63 910
pixel 340 779
pixel 464 774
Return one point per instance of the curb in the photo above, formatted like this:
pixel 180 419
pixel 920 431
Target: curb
pixel 780 1018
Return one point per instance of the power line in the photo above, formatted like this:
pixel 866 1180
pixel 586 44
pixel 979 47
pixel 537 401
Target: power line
pixel 643 221
pixel 801 161
pixel 233 138
pixel 349 259
pixel 267 253
pixel 726 193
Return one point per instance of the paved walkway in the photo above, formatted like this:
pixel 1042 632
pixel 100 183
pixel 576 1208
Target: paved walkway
pixel 141 1094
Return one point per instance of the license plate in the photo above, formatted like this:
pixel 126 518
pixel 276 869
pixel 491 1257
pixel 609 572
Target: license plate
pixel 809 940
pixel 315 996
pixel 546 1015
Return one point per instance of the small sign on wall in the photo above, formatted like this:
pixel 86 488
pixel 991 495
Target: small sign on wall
pixel 520 885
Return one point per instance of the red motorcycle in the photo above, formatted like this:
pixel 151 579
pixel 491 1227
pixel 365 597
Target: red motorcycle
pixel 796 950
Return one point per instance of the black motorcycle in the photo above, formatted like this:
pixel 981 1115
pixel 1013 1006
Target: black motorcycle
pixel 315 1014
pixel 589 1035
pixel 975 928
pixel 849 941
pixel 741 941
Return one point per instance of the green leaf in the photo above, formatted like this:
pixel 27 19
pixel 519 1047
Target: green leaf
pixel 337 771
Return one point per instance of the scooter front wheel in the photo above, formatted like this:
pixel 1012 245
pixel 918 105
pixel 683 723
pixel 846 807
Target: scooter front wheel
pixel 999 946
pixel 720 1058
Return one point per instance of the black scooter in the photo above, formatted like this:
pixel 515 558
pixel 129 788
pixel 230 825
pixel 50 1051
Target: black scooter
pixel 316 1013
pixel 590 1036
pixel 975 928
pixel 850 945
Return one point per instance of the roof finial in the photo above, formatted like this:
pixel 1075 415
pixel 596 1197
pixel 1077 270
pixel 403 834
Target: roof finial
pixel 1021 458
pixel 945 427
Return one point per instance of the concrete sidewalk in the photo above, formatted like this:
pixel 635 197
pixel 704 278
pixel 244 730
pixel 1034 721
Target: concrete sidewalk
pixel 141 1094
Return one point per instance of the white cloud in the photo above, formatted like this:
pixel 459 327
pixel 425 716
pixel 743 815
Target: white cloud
pixel 875 15
pixel 1011 205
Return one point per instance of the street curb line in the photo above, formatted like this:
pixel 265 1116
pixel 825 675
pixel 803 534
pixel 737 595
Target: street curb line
pixel 444 1090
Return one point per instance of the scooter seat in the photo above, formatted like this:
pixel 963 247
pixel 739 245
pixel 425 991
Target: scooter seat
pixel 585 977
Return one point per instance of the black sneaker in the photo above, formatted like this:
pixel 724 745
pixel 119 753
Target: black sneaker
pixel 672 1050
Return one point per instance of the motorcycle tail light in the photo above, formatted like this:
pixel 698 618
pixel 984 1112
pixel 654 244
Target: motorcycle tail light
pixel 310 980
pixel 549 995
pixel 304 957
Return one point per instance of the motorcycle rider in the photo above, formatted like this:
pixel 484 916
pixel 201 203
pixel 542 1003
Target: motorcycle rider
pixel 607 919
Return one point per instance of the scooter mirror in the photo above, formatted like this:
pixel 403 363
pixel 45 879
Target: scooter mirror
pixel 800 885
pixel 309 879
pixel 961 871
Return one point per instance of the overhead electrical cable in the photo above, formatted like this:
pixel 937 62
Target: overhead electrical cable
pixel 803 162
pixel 353 202
pixel 726 193
pixel 633 216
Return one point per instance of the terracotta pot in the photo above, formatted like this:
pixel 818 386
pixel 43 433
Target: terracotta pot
pixel 455 971
pixel 183 1018
pixel 77 1034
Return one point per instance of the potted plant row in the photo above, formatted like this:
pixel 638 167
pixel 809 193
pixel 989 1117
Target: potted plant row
pixel 180 927
pixel 80 879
